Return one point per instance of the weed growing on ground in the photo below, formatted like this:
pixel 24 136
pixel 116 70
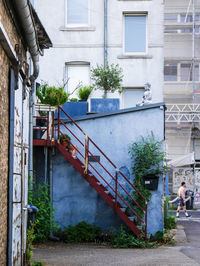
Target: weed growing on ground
pixel 82 232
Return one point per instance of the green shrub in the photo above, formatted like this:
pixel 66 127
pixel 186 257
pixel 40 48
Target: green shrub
pixel 127 240
pixel 170 222
pixel 52 95
pixel 29 241
pixel 37 263
pixel 64 138
pixel 73 100
pixel 147 158
pixel 84 92
pixel 82 232
pixel 44 217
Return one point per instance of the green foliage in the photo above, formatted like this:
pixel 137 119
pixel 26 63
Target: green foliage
pixel 73 100
pixel 64 138
pixel 163 238
pixel 84 92
pixel 127 240
pixel 29 241
pixel 82 232
pixel 44 218
pixel 169 220
pixel 52 95
pixel 147 158
pixel 107 78
pixel 37 263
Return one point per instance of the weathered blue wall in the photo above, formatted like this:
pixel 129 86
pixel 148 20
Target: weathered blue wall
pixel 74 199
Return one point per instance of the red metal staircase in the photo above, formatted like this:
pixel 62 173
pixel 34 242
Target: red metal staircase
pixel 93 175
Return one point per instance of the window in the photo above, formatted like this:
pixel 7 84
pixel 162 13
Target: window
pixel 170 17
pixel 186 72
pixel 170 72
pixel 189 18
pixel 174 30
pixel 77 12
pixel 132 96
pixel 135 34
pixel 77 74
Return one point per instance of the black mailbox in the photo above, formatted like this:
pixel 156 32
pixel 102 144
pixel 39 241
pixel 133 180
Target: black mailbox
pixel 151 182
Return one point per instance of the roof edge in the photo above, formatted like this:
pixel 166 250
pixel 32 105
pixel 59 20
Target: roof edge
pixel 121 111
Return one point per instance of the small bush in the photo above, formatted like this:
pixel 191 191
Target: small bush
pixel 84 92
pixel 127 240
pixel 82 232
pixel 37 263
pixel 44 218
pixel 170 222
pixel 52 95
pixel 73 100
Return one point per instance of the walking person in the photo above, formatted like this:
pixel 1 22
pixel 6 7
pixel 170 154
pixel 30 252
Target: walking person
pixel 181 200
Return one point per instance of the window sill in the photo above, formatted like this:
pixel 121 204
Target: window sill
pixel 134 56
pixel 78 28
pixel 134 0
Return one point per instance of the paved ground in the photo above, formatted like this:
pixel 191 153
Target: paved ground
pixel 185 253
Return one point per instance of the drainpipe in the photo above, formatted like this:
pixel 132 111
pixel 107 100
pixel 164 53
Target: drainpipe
pixel 11 159
pixel 24 10
pixel 105 30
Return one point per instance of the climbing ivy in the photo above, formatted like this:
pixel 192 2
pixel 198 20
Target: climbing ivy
pixel 147 158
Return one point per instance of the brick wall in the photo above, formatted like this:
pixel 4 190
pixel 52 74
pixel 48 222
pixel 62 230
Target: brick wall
pixel 4 137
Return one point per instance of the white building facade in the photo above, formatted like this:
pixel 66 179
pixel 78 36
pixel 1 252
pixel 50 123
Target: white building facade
pixel 89 32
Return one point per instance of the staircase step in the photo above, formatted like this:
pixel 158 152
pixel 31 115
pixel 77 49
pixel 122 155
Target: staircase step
pixel 123 209
pixel 90 174
pixel 107 192
pixel 131 218
pixel 83 166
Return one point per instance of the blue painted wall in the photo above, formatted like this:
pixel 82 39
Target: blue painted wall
pixel 104 105
pixel 73 198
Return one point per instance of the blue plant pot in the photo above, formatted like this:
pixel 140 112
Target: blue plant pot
pixel 74 109
pixel 104 105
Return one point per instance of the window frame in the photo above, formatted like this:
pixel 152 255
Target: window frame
pixel 123 21
pixel 177 66
pixel 76 63
pixel 68 25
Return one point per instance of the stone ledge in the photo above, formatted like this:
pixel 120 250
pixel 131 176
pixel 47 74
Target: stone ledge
pixel 134 56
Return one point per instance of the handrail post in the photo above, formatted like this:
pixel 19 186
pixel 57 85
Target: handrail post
pixel 145 220
pixel 53 127
pixel 58 124
pixel 48 125
pixel 86 154
pixel 116 185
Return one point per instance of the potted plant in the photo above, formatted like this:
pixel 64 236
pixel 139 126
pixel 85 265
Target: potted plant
pixel 52 95
pixel 109 79
pixel 65 140
pixel 78 108
pixel 84 92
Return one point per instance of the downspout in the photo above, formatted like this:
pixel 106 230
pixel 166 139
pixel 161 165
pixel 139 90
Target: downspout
pixel 105 38
pixel 11 159
pixel 24 10
pixel 105 31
